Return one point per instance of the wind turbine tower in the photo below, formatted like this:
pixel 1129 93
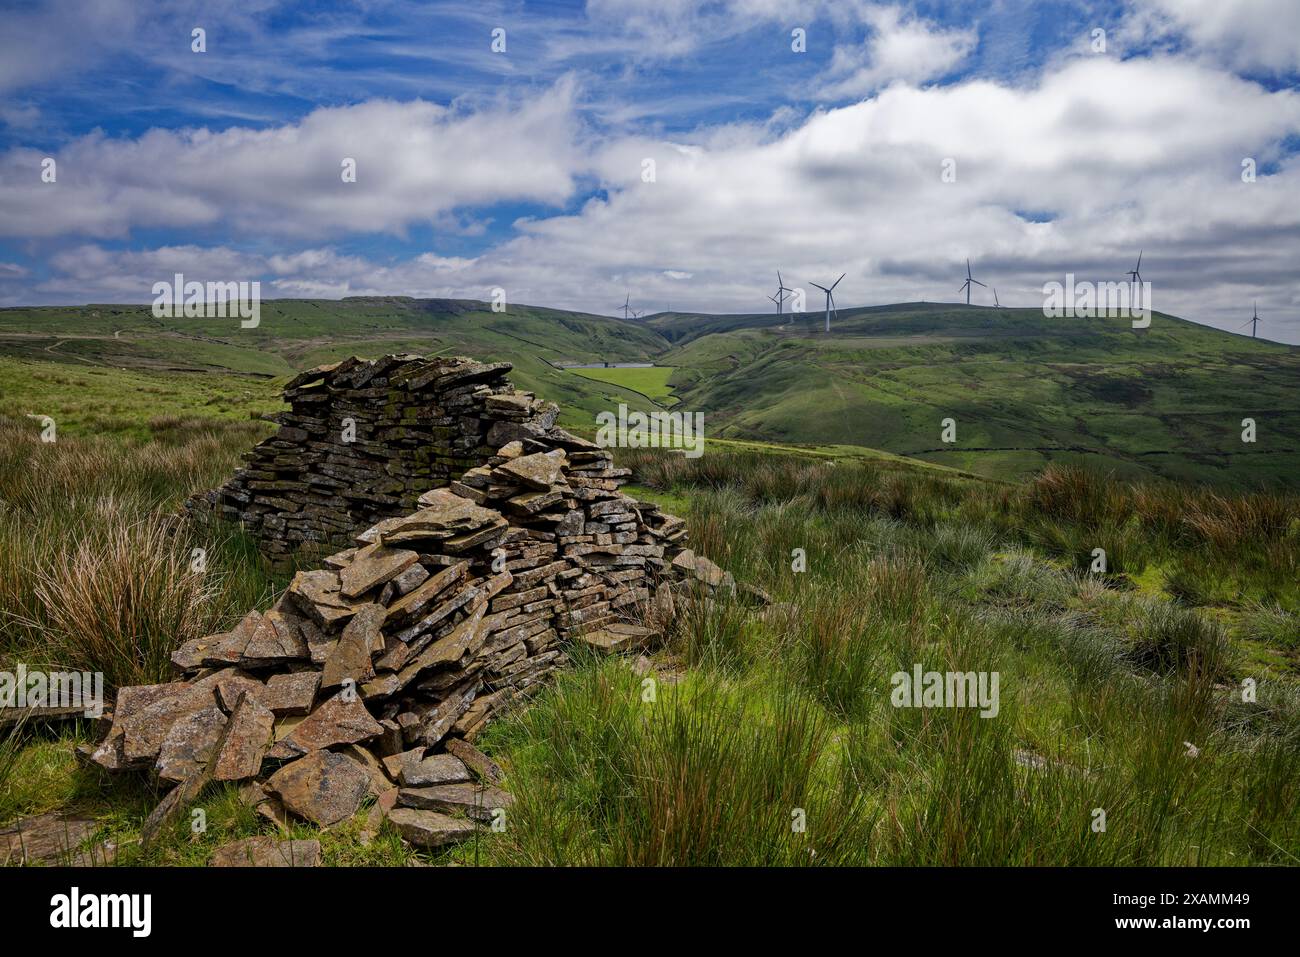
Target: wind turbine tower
pixel 1253 321
pixel 1135 274
pixel 781 290
pixel 969 282
pixel 830 299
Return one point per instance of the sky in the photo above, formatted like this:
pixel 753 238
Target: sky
pixel 678 153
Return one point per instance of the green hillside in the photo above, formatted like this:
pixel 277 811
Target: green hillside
pixel 1022 389
pixel 295 334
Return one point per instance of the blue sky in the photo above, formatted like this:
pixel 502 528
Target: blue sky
pixel 526 169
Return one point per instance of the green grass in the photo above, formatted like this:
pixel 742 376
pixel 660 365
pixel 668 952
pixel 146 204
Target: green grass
pixel 1102 689
pixel 650 382
pixel 1024 390
pixel 769 737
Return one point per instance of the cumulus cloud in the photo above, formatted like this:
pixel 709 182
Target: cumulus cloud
pixel 1254 35
pixel 899 47
pixel 415 161
pixel 1075 172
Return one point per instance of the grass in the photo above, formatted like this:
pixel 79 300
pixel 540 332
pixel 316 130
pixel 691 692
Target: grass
pixel 1025 391
pixel 764 737
pixel 650 382
pixel 98 573
pixel 1106 690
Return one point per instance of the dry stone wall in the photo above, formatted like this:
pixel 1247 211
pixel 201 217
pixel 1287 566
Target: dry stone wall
pixel 374 673
pixel 363 439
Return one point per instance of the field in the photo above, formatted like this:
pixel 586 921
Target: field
pixel 1022 390
pixel 1123 691
pixel 650 382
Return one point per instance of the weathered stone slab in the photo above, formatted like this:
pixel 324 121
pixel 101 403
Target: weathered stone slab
pixel 373 566
pixel 449 711
pixel 434 769
pixel 145 730
pixel 617 638
pixel 246 741
pixel 53 838
pixel 541 470
pixel 423 596
pixel 318 594
pixel 429 829
pixel 265 851
pixel 291 693
pixel 473 800
pixel 276 639
pixel 350 658
pixel 321 786
pixel 342 719
pixel 443 515
pixel 475 760
pixel 189 743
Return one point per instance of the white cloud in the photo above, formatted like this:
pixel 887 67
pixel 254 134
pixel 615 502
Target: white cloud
pixel 900 47
pixel 1252 35
pixel 855 188
pixel 415 161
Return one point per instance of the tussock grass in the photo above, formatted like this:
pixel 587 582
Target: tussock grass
pixel 710 773
pixel 1119 703
pixel 767 738
pixel 97 572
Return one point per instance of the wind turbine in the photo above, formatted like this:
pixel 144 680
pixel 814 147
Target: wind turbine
pixel 1135 274
pixel 625 303
pixel 781 290
pixel 967 284
pixel 1253 321
pixel 830 299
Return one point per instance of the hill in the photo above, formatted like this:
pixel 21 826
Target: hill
pixel 1023 390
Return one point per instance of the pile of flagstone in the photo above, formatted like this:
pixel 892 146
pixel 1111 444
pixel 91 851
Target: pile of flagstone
pixel 363 438
pixel 373 674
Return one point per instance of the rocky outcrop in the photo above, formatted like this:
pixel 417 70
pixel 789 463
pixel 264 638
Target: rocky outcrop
pixel 373 673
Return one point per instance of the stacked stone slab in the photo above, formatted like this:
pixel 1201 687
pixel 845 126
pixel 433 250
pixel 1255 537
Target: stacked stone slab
pixel 374 673
pixel 363 439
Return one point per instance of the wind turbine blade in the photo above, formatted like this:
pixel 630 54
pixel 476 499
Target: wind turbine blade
pixel 822 288
pixel 837 281
pixel 978 283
